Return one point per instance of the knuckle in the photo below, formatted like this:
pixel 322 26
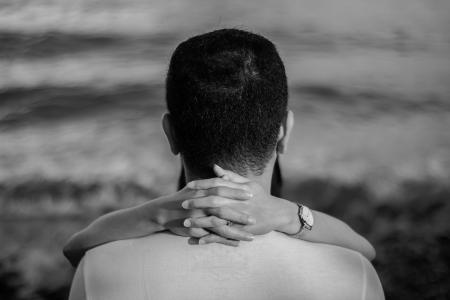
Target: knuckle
pixel 220 212
pixel 243 218
pixel 241 192
pixel 199 193
pixel 215 213
pixel 196 213
pixel 226 230
pixel 216 221
pixel 212 211
pixel 214 200
pixel 190 193
pixel 198 203
pixel 220 231
pixel 218 191
pixel 226 211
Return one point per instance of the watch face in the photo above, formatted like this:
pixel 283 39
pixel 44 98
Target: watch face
pixel 307 216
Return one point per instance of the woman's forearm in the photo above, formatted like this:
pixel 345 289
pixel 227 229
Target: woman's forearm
pixel 328 230
pixel 336 232
pixel 117 225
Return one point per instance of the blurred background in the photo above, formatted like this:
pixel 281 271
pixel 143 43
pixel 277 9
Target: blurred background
pixel 82 94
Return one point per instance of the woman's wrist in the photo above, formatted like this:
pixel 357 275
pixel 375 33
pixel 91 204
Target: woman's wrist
pixel 287 218
pixel 288 221
pixel 152 215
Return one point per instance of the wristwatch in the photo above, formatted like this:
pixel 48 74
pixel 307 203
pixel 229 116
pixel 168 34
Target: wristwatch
pixel 306 219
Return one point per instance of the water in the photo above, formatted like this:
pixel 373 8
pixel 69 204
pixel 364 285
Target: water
pixel 359 74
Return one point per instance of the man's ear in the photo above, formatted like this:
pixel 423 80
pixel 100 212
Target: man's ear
pixel 170 133
pixel 285 132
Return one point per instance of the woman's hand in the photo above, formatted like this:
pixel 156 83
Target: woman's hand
pixel 169 213
pixel 270 213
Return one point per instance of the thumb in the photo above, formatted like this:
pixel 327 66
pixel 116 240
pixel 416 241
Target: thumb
pixel 229 175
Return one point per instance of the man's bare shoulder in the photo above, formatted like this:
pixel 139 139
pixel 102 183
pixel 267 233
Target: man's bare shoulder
pixel 112 271
pixel 134 249
pixel 332 264
pixel 298 264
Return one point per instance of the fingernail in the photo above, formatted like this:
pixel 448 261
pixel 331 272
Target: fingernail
pixel 250 195
pixel 187 223
pixel 191 185
pixel 202 242
pixel 185 204
pixel 250 237
pixel 251 220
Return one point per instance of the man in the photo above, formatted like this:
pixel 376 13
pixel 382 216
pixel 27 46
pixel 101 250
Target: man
pixel 227 102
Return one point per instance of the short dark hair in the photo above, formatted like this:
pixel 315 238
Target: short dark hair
pixel 226 92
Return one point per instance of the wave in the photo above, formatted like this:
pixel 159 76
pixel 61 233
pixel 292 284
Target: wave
pixel 94 70
pixel 47 103
pixel 365 102
pixel 76 16
pixel 20 45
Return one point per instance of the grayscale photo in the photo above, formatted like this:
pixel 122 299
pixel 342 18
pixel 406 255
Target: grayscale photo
pixel 224 149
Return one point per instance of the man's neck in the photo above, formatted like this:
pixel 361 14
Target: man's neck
pixel 265 179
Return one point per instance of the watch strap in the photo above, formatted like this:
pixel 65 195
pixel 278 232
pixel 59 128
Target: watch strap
pixel 305 217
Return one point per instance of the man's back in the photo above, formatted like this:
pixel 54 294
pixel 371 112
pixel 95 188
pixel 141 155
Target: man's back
pixel 164 266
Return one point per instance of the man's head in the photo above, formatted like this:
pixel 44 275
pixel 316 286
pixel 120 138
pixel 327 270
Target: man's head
pixel 226 93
